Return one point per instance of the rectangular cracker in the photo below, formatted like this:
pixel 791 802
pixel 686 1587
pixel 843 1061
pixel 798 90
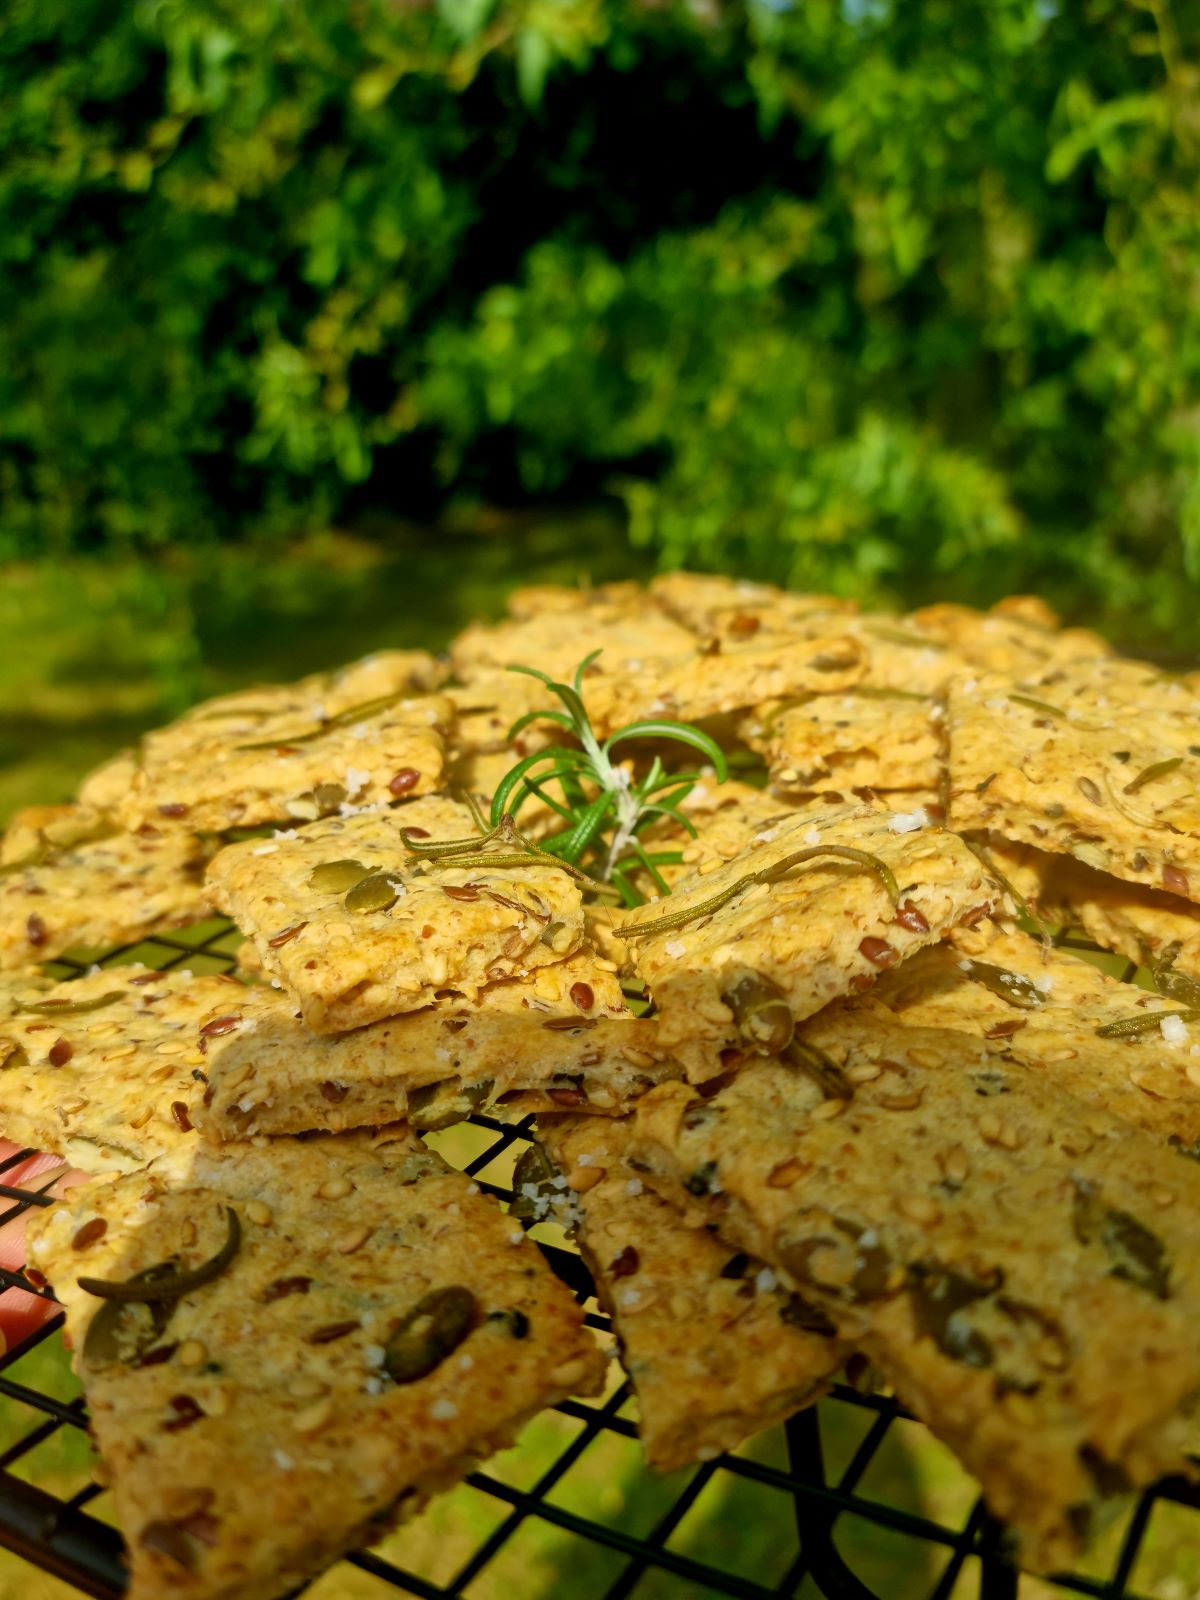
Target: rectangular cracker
pixel 107 1070
pixel 927 650
pixel 561 1037
pixel 652 666
pixel 1031 1296
pixel 714 680
pixel 264 1437
pixel 445 927
pixel 887 739
pixel 715 1349
pixel 826 929
pixel 713 606
pixel 1092 760
pixel 361 737
pixel 1147 926
pixel 70 879
pixel 1042 1007
pixel 556 637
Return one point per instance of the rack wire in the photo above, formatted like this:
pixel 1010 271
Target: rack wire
pixel 816 1514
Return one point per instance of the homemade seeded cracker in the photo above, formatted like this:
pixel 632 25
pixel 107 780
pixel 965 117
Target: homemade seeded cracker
pixel 70 879
pixel 356 928
pixel 295 752
pixel 923 652
pixel 1148 926
pixel 725 676
pixel 555 639
pixel 107 1070
pixel 651 666
pixel 1093 760
pixel 794 921
pixel 1109 1044
pixel 715 1349
pixel 537 599
pixel 354 1327
pixel 731 608
pixel 106 786
pixel 1031 1295
pixel 1018 635
pixel 561 1038
pixel 886 739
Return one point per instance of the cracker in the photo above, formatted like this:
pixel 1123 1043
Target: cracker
pixel 1032 1301
pixel 555 639
pixel 107 1070
pixel 733 608
pixel 299 751
pixel 826 929
pixel 889 740
pixel 1093 761
pixel 1043 1007
pixel 445 927
pixel 715 1349
pixel 106 786
pixel 258 1435
pixel 928 649
pixel 560 1038
pixel 699 684
pixel 651 666
pixel 538 599
pixel 1147 926
pixel 70 879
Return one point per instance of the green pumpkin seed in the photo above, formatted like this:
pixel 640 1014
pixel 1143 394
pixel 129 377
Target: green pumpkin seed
pixel 329 796
pixel 335 877
pixel 432 1330
pixel 441 1104
pixel 376 893
pixel 534 1170
pixel 122 1330
pixel 703 1180
pixel 939 1297
pixel 873 1265
pixel 762 1014
pixel 1008 986
pixel 68 1008
pixel 1175 985
pixel 1137 1254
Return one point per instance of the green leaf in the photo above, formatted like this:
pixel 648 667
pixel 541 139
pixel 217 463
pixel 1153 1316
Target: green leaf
pixel 680 732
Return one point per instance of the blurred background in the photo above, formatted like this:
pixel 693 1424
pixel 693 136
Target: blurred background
pixel 325 321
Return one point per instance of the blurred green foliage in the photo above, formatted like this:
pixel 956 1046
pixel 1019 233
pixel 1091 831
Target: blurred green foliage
pixel 898 296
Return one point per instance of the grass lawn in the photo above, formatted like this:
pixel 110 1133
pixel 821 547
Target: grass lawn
pixel 94 654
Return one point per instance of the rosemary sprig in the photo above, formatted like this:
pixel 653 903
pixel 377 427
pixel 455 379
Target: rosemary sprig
pixel 771 874
pixel 605 804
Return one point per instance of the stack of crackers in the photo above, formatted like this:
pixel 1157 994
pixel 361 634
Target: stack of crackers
pixel 831 1099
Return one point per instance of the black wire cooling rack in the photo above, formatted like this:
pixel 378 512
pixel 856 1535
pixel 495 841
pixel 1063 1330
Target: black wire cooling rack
pixel 816 1517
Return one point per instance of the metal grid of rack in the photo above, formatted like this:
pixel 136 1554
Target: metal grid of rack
pixel 814 1487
